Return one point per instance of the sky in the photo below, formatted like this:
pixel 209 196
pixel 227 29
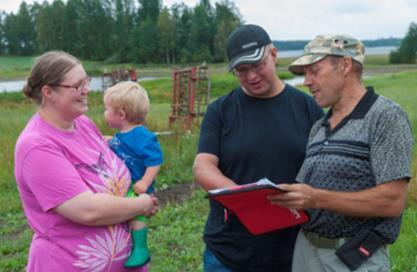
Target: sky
pixel 304 19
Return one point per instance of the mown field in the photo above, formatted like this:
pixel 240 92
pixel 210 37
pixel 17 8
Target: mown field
pixel 12 67
pixel 175 236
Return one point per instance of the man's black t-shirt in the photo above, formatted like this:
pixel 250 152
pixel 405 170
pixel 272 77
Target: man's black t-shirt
pixel 255 138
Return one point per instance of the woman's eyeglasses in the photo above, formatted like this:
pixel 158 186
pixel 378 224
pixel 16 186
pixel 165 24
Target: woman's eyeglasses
pixel 78 87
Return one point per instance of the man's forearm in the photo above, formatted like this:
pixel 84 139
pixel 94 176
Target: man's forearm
pixel 212 179
pixel 386 200
pixel 208 175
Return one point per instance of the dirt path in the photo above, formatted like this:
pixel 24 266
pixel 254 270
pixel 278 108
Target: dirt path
pixel 176 193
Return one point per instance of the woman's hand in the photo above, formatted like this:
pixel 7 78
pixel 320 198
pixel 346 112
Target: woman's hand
pixel 156 205
pixel 149 204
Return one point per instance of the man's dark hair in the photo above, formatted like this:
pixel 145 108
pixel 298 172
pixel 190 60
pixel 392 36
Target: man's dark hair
pixel 357 68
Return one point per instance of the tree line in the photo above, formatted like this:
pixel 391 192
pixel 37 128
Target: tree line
pixel 407 52
pixel 114 31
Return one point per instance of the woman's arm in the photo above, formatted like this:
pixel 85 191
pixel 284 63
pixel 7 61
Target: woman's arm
pixel 92 209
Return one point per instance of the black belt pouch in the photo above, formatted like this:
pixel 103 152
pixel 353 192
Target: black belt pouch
pixel 357 250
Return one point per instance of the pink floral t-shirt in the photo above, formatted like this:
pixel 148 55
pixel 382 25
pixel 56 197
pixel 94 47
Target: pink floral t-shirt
pixel 53 166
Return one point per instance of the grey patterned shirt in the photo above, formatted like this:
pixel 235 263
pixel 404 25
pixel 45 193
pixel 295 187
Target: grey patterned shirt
pixel 371 146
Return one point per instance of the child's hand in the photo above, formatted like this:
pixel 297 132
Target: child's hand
pixel 140 187
pixel 107 137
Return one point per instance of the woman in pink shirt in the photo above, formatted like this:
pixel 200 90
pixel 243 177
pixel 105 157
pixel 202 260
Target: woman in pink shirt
pixel 70 182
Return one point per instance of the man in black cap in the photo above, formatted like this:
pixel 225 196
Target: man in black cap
pixel 258 130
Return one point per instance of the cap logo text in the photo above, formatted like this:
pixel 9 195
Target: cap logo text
pixel 245 46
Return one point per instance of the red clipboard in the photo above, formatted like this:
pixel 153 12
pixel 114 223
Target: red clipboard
pixel 249 203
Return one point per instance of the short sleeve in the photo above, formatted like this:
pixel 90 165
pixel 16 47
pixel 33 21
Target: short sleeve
pixel 391 148
pixel 150 151
pixel 210 132
pixel 51 177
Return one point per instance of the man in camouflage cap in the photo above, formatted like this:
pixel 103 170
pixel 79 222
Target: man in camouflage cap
pixel 353 182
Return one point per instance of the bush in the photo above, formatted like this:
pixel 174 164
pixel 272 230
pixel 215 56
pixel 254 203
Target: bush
pixel 408 48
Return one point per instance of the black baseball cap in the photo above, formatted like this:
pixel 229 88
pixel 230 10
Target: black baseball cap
pixel 246 44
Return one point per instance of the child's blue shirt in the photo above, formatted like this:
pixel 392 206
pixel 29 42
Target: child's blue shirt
pixel 138 148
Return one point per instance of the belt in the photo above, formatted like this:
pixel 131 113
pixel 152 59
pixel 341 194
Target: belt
pixel 323 242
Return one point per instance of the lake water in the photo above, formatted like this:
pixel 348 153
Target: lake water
pixel 379 50
pixel 17 85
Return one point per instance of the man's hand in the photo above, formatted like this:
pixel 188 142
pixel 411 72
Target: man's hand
pixel 384 200
pixel 140 187
pixel 298 196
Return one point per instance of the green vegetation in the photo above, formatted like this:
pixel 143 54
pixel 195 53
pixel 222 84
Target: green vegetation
pixel 19 67
pixel 402 88
pixel 407 52
pixel 175 236
pixel 14 67
pixel 129 31
pixel 141 31
pixel 185 253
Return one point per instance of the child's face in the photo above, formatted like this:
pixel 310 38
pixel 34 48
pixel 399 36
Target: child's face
pixel 113 117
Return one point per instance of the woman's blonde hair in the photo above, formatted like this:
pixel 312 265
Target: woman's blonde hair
pixel 49 68
pixel 131 98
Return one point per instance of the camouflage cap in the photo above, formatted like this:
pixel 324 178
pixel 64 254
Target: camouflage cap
pixel 325 45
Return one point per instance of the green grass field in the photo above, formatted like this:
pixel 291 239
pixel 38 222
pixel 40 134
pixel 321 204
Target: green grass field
pixel 176 231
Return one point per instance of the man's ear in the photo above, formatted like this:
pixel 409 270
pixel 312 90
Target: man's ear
pixel 274 53
pixel 347 65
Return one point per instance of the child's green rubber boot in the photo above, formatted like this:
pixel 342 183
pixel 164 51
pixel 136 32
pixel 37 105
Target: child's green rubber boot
pixel 140 252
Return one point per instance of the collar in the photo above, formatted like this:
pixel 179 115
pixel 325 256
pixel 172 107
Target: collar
pixel 359 112
pixel 364 104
